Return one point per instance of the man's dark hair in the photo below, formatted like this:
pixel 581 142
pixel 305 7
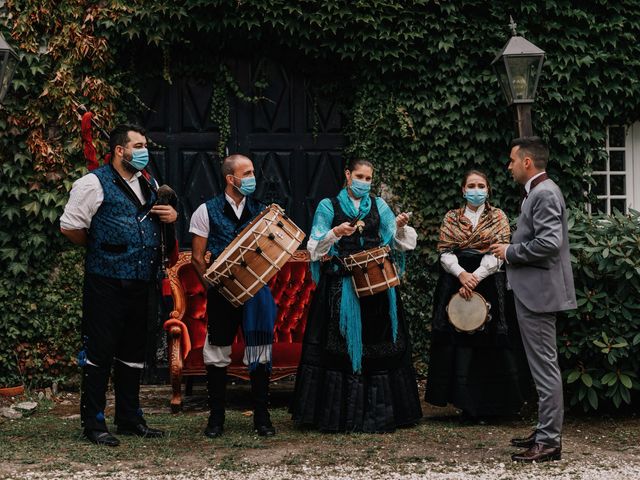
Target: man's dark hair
pixel 229 164
pixel 119 136
pixel 534 147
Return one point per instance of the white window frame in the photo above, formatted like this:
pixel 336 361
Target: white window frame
pixel 633 144
pixel 631 171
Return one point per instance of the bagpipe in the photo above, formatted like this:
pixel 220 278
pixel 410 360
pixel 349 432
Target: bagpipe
pixel 165 196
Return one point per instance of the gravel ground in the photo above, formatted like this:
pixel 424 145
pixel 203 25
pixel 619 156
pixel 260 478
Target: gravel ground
pixel 609 468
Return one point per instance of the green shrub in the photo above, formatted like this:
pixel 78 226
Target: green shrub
pixel 41 322
pixel 599 343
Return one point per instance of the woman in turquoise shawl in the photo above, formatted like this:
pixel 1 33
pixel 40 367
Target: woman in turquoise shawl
pixel 355 372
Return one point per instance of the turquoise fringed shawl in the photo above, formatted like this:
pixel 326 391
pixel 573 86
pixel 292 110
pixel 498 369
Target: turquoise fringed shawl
pixel 350 314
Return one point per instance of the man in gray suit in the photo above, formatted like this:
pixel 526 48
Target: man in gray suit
pixel 539 271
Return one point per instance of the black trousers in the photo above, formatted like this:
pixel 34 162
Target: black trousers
pixel 224 319
pixel 114 323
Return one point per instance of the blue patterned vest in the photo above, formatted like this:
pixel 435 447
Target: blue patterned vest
pixel 224 226
pixel 119 245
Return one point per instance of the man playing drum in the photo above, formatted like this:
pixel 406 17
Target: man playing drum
pixel 214 225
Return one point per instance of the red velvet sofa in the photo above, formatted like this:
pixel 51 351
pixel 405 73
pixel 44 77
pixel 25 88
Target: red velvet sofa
pixel 292 290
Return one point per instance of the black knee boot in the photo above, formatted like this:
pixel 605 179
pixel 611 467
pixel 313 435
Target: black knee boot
pixel 126 385
pixel 216 390
pixel 260 393
pixel 92 402
pixel 126 382
pixel 94 397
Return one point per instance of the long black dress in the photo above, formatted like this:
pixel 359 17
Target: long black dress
pixel 328 395
pixel 484 373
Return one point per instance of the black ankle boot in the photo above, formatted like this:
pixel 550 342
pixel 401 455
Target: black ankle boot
pixel 216 390
pixel 260 393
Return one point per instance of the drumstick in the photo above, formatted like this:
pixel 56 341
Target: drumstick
pixel 354 221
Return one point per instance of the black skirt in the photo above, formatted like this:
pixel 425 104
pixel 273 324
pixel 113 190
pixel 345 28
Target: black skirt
pixel 484 373
pixel 328 395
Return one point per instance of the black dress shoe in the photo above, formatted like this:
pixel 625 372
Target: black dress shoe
pixel 140 430
pixel 265 429
pixel 100 437
pixel 213 431
pixel 526 442
pixel 538 453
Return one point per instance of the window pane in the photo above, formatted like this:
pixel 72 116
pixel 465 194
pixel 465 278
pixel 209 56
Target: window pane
pixel 620 204
pixel 599 206
pixel 600 163
pixel 616 136
pixel 600 188
pixel 618 185
pixel 616 161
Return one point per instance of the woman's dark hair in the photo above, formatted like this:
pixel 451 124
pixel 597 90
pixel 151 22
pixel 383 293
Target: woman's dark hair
pixel 468 173
pixel 356 162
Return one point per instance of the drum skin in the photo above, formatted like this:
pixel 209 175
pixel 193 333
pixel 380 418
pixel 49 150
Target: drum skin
pixel 258 252
pixel 372 271
pixel 468 315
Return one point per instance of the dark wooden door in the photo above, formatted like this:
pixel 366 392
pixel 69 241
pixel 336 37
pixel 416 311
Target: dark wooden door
pixel 293 135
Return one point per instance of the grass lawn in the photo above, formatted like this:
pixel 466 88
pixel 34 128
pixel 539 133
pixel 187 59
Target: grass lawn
pixel 50 441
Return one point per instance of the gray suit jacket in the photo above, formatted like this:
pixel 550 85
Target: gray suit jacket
pixel 538 262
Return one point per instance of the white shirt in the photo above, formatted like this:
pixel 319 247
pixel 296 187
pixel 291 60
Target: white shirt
pixel 199 224
pixel 86 197
pixel 488 265
pixel 527 189
pixel 405 239
pixel 527 186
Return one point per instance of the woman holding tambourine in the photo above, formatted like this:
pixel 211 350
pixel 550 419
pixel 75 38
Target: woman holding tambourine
pixel 475 360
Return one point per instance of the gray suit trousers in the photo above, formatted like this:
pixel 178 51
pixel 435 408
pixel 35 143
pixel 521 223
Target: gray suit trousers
pixel 538 331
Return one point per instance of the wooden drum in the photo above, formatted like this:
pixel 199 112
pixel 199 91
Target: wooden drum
pixel 372 271
pixel 255 255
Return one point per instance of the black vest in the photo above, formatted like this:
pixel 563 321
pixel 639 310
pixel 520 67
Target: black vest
pixel 370 236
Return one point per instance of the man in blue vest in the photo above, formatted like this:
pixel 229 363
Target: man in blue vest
pixel 112 211
pixel 214 225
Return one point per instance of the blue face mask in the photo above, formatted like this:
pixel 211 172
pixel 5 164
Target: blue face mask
pixel 247 185
pixel 476 196
pixel 360 188
pixel 139 158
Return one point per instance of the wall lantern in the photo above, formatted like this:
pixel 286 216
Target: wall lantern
pixel 8 64
pixel 518 67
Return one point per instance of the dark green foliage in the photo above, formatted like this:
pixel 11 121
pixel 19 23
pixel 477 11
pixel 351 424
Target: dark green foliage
pixel 599 343
pixel 41 318
pixel 421 100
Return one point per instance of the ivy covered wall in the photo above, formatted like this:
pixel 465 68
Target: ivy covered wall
pixel 421 100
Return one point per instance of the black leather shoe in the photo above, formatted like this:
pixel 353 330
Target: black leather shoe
pixel 265 429
pixel 526 442
pixel 100 437
pixel 538 453
pixel 140 430
pixel 213 431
